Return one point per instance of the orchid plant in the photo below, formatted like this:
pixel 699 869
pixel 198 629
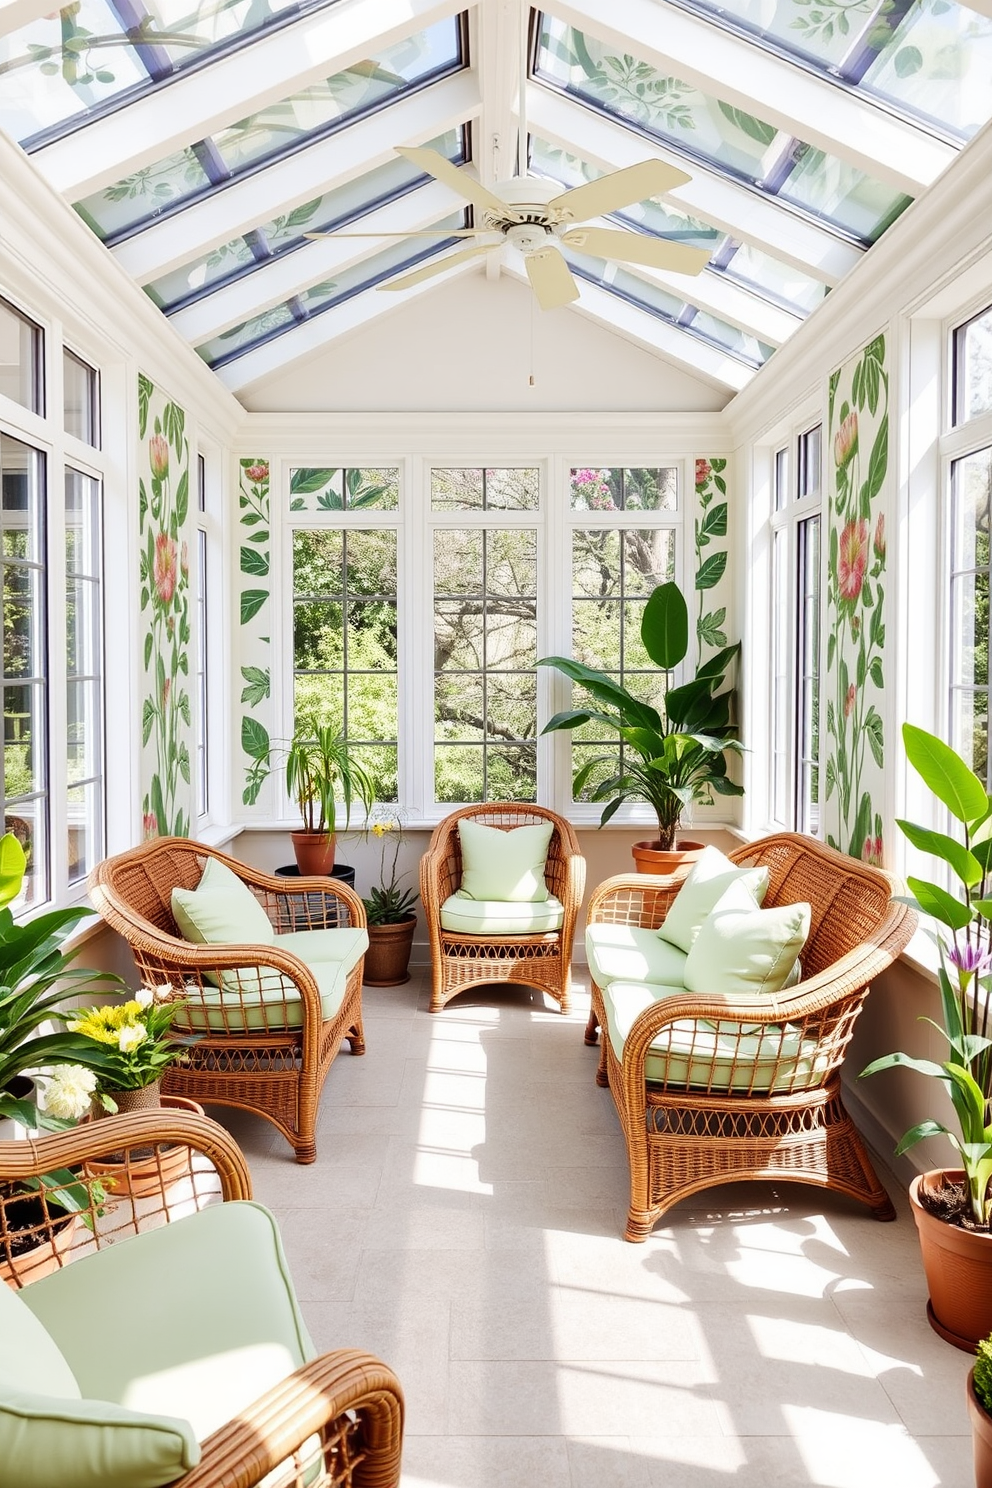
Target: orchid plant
pixel 964 942
pixel 388 902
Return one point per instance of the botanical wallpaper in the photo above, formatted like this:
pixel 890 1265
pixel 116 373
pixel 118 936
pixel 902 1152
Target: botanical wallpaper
pixel 256 621
pixel 711 549
pixel 166 714
pixel 858 439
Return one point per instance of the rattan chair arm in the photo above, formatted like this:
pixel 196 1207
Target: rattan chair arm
pixel 334 888
pixel 112 1134
pixel 241 1453
pixel 654 892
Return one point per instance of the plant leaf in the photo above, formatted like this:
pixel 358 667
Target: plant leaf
pixel 945 773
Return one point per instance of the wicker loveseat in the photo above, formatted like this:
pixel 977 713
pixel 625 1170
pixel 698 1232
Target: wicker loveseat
pixel 708 1093
pixel 541 958
pixel 268 1022
pixel 164 1344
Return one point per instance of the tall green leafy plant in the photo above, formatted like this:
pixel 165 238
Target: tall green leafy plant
pixel 964 940
pixel 669 759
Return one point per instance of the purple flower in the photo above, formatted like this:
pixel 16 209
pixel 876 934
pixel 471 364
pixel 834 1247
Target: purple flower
pixel 970 958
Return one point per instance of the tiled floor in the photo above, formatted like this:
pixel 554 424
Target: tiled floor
pixel 463 1220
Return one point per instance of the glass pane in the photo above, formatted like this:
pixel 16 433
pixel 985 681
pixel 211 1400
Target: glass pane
pixel 320 694
pixel 278 130
pixel 781 628
pixel 83 745
pixel 80 398
pixel 706 128
pixel 459 773
pixel 457 490
pixel 512 773
pixel 624 490
pixel 809 675
pixel 202 662
pixel 23 647
pixel 21 359
pixel 459 707
pixel 971 483
pixel 596 630
pixel 808 463
pixel 781 479
pixel 28 820
pixel 84 828
pixel 23 585
pixel 317 562
pixel 973 368
pixel 513 490
pixel 318 635
pixel 373 710
pixel 772 278
pixel 458 562
pixel 371 637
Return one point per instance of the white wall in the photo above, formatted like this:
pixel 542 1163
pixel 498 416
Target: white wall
pixel 466 347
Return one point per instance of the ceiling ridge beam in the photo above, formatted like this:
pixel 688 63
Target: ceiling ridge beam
pixel 745 74
pixel 762 221
pixel 197 103
pixel 14 14
pixel 262 195
pixel 294 273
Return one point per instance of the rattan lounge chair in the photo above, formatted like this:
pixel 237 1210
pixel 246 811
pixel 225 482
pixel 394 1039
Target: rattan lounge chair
pixel 181 1299
pixel 776 1116
pixel 459 961
pixel 263 1044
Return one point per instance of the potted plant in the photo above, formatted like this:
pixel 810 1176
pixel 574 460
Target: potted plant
pixel 391 921
pixel 953 1208
pixel 669 759
pixel 319 764
pixel 980 1411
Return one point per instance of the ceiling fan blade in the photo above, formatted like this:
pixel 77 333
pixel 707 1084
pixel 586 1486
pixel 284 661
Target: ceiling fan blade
pixel 427 232
pixel 442 169
pixel 429 270
pixel 630 247
pixel 619 189
pixel 550 278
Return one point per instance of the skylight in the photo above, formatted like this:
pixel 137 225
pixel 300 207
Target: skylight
pixel 702 127
pixel 273 133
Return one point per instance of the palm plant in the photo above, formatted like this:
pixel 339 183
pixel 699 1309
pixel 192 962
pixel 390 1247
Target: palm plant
pixel 319 763
pixel 669 759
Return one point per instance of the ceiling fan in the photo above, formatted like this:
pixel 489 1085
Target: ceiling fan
pixel 537 217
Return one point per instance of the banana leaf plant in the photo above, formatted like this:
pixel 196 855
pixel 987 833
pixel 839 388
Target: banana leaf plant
pixel 669 759
pixel 964 941
pixel 35 979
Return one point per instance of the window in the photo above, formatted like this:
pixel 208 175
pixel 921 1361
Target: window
pixel 795 632
pixel 21 359
pixel 84 672
pixel 81 400
pixel 485 635
pixel 202 652
pixel 972 367
pixel 968 453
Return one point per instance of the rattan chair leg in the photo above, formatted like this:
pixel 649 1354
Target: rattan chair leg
pixel 591 1035
pixel 356 1038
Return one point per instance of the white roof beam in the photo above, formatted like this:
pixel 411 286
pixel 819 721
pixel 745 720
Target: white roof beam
pixel 197 103
pixel 310 337
pixel 698 358
pixel 716 293
pixel 984 7
pixel 744 74
pixel 17 13
pixel 293 273
pixel 761 221
pixel 497 55
pixel 333 161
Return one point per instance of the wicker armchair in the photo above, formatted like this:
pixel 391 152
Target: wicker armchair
pixel 340 1411
pixel 779 1115
pixel 461 961
pixel 264 1044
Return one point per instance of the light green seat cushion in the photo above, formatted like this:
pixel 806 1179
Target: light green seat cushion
pixel 629 953
pixel 764 1059
pixel 708 879
pixel 52 1438
pixel 498 917
pixel 252 999
pixel 196 1319
pixel 221 910
pixel 508 866
pixel 744 951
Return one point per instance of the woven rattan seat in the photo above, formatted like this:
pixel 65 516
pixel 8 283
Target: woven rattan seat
pixel 460 962
pixel 278 1069
pixel 681 1139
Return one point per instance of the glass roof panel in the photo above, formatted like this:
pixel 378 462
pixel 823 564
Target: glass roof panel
pixel 284 234
pixel 320 297
pixel 931 59
pixel 273 133
pixel 665 306
pixel 66 66
pixel 749 267
pixel 707 129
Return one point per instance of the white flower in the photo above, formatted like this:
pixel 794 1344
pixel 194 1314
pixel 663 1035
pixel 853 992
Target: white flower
pixel 69 1091
pixel 130 1037
pixel 145 995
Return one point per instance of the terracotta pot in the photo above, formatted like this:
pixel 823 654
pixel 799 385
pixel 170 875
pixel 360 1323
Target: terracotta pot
pixel 145 1174
pixel 56 1235
pixel 650 858
pixel 388 956
pixel 958 1266
pixel 314 853
pixel 981 1436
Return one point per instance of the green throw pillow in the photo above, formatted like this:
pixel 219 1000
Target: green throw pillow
pixel 746 952
pixel 709 878
pixel 506 866
pixel 221 910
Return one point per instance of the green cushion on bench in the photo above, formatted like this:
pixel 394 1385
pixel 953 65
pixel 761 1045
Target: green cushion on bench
pixel 466 916
pixel 252 1000
pixel 631 954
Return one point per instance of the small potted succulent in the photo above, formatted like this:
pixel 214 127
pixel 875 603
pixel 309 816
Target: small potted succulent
pixel 391 920
pixel 980 1411
pixel 670 758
